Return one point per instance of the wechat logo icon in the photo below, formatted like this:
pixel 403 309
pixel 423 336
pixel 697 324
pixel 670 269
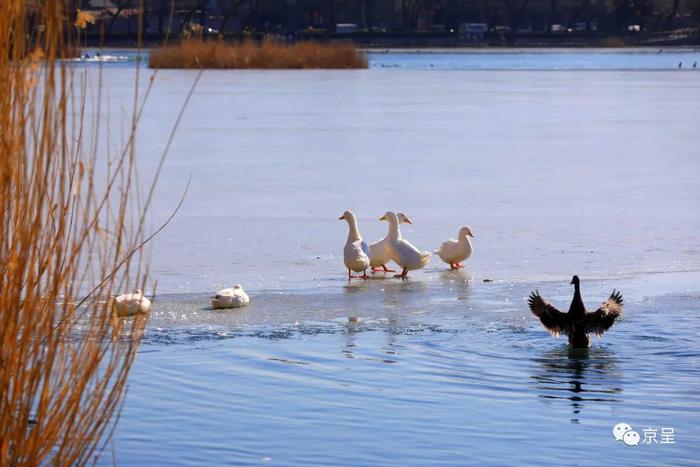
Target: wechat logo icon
pixel 623 432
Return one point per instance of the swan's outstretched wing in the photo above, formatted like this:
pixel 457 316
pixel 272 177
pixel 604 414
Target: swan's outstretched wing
pixel 600 320
pixel 554 320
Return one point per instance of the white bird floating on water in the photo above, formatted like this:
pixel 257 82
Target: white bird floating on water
pixel 453 252
pixel 356 253
pixel 402 252
pixel 379 251
pixel 234 297
pixel 131 304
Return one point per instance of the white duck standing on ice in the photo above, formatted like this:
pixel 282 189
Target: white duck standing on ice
pixel 379 251
pixel 131 304
pixel 453 252
pixel 402 252
pixel 356 253
pixel 233 297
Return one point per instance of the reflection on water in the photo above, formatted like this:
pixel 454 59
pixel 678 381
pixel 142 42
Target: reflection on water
pixel 456 276
pixel 392 332
pixel 386 294
pixel 392 345
pixel 459 280
pixel 350 336
pixel 581 376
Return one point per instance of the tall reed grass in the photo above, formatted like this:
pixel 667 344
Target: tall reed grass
pixel 67 242
pixel 270 54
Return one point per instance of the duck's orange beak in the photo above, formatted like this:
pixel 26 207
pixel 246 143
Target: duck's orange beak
pixel 408 221
pixel 341 217
pixel 383 218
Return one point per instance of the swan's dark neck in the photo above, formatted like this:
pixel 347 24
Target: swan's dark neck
pixel 577 306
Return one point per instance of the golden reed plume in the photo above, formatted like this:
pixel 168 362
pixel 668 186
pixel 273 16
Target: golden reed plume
pixel 71 236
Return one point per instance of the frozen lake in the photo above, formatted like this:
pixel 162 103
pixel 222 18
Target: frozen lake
pixel 594 172
pixel 557 172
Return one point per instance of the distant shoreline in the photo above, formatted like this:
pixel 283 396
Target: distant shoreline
pixel 530 50
pixel 485 50
pixel 448 41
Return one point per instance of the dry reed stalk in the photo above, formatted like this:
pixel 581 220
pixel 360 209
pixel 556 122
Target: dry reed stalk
pixel 270 54
pixel 66 229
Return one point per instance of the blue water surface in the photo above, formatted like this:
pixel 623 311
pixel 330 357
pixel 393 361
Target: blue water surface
pixel 454 373
pixel 551 59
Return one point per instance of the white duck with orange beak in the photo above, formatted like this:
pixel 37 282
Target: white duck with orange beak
pixel 379 251
pixel 402 251
pixel 356 253
pixel 453 252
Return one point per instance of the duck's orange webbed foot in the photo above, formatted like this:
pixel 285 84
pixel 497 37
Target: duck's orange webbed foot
pixel 403 275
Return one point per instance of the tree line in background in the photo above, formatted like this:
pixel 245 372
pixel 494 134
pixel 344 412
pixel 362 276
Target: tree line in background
pixel 613 17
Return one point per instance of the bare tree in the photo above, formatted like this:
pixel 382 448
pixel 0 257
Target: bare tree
pixel 333 7
pixel 587 14
pixel 516 10
pixel 229 8
pixel 622 14
pixel 199 5
pixel 120 7
pixel 409 10
pixel 672 15
pixel 553 13
pixel 253 10
pixel 487 13
pixel 165 8
pixel 453 10
pixel 367 7
pixel 694 8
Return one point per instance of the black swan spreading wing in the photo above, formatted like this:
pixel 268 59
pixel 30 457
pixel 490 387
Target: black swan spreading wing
pixel 603 318
pixel 554 320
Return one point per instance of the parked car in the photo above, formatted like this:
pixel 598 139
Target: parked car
pixel 557 28
pixel 501 29
pixel 347 27
pixel 473 29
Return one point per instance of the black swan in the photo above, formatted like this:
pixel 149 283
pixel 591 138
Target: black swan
pixel 578 322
